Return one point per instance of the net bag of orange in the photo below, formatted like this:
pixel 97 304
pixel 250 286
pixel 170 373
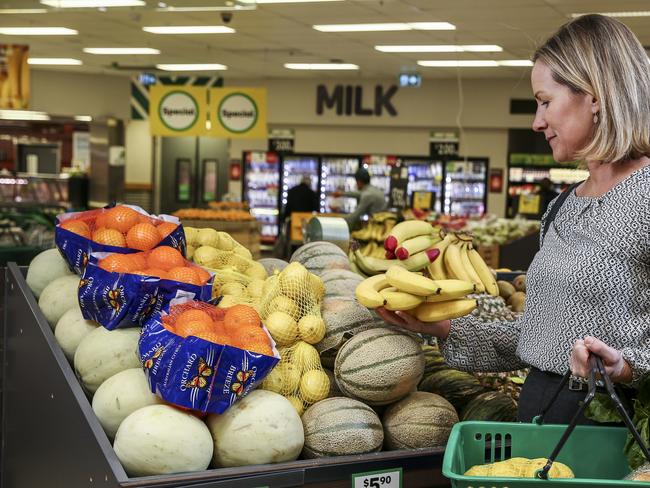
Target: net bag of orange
pixel 123 290
pixel 122 228
pixel 204 358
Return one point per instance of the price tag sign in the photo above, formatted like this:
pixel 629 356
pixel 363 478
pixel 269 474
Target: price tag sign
pixel 529 204
pixel 389 478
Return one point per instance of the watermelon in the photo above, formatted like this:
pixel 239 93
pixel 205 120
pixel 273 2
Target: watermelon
pixel 340 282
pixel 494 406
pixel 321 256
pixel 379 366
pixel 458 387
pixel 420 420
pixel 433 360
pixel 341 426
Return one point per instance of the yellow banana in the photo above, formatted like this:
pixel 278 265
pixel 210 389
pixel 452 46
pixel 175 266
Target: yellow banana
pixel 367 292
pixel 451 309
pixel 413 283
pixel 372 266
pixel 483 271
pixel 469 267
pixel 415 245
pixel 454 263
pixel 451 289
pixel 406 230
pixel 399 300
pixel 437 269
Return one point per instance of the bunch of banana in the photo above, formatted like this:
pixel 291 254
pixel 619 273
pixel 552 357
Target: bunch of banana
pixel 377 229
pixel 459 260
pixel 410 237
pixel 429 301
pixel 370 265
pixel 372 249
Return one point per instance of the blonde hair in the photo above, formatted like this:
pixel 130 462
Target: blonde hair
pixel 601 57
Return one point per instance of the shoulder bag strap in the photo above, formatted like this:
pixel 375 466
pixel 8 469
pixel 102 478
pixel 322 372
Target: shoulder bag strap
pixel 556 207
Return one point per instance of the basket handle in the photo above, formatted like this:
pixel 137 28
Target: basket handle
pixel 595 367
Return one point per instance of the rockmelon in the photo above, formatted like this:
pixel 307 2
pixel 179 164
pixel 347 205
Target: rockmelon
pixel 159 439
pixel 103 353
pixel 272 265
pixel 58 297
pixel 121 395
pixel 341 426
pixel 71 329
pixel 321 256
pixel 379 366
pixel 340 282
pixel 45 268
pixel 261 428
pixel 419 420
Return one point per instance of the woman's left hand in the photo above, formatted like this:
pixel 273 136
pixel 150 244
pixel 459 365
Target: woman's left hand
pixel 616 367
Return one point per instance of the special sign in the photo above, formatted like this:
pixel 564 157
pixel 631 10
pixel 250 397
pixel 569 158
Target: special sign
pixel 178 110
pixel 238 112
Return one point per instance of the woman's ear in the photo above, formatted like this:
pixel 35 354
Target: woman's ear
pixel 595 106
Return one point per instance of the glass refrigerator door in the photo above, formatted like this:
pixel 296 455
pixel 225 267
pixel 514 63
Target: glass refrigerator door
pixel 379 168
pixel 425 175
pixel 294 167
pixel 261 185
pixel 465 187
pixel 337 174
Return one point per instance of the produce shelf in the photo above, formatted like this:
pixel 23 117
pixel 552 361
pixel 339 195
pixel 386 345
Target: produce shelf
pixel 51 437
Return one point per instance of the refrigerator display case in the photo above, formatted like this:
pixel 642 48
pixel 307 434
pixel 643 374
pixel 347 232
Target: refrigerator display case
pixel 337 174
pixel 294 167
pixel 35 189
pixel 261 190
pixel 425 175
pixel 379 168
pixel 465 187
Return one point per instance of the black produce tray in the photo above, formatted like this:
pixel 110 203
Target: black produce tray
pixel 51 437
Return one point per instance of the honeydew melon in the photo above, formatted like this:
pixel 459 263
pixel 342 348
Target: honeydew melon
pixel 71 329
pixel 58 297
pixel 45 268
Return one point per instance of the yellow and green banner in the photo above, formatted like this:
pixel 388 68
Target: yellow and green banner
pixel 178 110
pixel 238 112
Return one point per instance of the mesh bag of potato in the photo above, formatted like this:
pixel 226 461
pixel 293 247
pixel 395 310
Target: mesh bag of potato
pixel 290 308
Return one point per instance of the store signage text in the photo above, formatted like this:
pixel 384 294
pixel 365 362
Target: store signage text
pixel 348 100
pixel 179 110
pixel 237 112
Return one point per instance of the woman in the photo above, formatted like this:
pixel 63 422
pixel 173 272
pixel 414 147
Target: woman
pixel 588 288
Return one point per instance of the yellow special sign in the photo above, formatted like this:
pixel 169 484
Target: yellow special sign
pixel 238 113
pixel 178 110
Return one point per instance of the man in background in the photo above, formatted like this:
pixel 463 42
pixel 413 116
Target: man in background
pixel 546 195
pixel 301 198
pixel 371 199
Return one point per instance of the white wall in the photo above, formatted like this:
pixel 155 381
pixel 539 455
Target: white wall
pixel 139 159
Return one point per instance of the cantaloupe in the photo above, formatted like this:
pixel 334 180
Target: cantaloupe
pixel 379 366
pixel 341 426
pixel 103 353
pixel 261 428
pixel 159 439
pixel 45 268
pixel 321 256
pixel 340 282
pixel 419 420
pixel 71 329
pixel 273 264
pixel 121 395
pixel 58 297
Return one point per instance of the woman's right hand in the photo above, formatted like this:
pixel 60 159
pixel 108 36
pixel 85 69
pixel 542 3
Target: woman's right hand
pixel 406 321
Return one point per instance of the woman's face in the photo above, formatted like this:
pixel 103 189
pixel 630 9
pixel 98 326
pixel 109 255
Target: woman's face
pixel 565 117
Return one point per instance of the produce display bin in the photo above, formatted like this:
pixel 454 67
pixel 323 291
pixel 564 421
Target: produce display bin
pixel 51 437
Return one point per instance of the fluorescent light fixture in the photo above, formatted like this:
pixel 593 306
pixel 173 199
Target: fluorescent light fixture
pixel 37 31
pixel 639 13
pixel 189 29
pixel 54 61
pixel 260 2
pixel 441 48
pixel 474 63
pixel 321 66
pixel 191 67
pixel 83 118
pixel 233 8
pixel 22 11
pixel 93 3
pixel 120 50
pixel 23 115
pixel 393 26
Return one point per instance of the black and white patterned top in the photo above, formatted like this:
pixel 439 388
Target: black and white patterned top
pixel 590 277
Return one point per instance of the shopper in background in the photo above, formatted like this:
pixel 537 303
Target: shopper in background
pixel 588 287
pixel 371 199
pixel 301 198
pixel 546 195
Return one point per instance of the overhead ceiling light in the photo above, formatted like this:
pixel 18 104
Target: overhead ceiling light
pixel 516 62
pixel 474 63
pixel 83 118
pixel 189 29
pixel 23 115
pixel 321 66
pixel 23 11
pixel 192 67
pixel 392 26
pixel 440 48
pixel 259 2
pixel 120 50
pixel 37 31
pixel 93 3
pixel 54 61
pixel 640 13
pixel 226 8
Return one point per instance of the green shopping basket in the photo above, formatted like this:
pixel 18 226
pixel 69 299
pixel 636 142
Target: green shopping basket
pixel 594 453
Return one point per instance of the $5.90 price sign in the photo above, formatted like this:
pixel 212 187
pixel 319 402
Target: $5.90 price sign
pixel 390 478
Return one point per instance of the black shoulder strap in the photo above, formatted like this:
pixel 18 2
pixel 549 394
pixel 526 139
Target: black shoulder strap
pixel 556 207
